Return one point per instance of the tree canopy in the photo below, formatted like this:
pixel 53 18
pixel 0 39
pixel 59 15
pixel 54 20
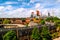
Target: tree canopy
pixel 46 33
pixel 35 34
pixel 6 21
pixel 10 35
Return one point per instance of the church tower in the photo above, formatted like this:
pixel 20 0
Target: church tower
pixel 37 14
pixel 32 15
pixel 48 14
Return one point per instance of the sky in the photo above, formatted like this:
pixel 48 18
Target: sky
pixel 23 8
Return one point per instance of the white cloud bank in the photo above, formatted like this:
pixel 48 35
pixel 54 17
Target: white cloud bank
pixel 19 12
pixel 24 12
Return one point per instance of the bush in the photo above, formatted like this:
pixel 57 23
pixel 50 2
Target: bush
pixel 42 22
pixel 10 35
pixel 6 21
pixel 54 35
pixel 1 38
pixel 55 18
pixel 46 33
pixel 49 18
pixel 35 34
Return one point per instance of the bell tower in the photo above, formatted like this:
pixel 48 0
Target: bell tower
pixel 32 14
pixel 37 13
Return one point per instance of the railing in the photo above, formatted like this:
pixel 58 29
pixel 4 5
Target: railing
pixel 21 31
pixel 11 25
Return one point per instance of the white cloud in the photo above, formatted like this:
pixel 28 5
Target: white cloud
pixel 53 11
pixel 19 0
pixel 4 8
pixel 44 12
pixel 23 12
pixel 31 10
pixel 20 12
pixel 32 1
pixel 9 7
pixel 58 0
pixel 10 2
pixel 1 7
pixel 37 5
pixel 56 12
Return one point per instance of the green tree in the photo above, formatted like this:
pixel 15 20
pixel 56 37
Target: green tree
pixel 23 19
pixel 35 34
pixel 1 38
pixel 26 24
pixel 42 22
pixel 10 35
pixel 55 18
pixel 49 18
pixel 45 33
pixel 6 21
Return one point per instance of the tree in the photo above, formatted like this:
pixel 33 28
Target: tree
pixel 23 19
pixel 49 18
pixel 42 22
pixel 45 33
pixel 35 34
pixel 6 21
pixel 26 24
pixel 10 35
pixel 1 38
pixel 55 18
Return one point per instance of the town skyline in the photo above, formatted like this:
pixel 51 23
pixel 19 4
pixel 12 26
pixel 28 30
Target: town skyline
pixel 23 8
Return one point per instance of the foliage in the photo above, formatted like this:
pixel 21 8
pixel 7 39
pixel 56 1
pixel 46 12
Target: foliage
pixel 44 38
pixel 52 18
pixel 36 34
pixel 55 18
pixel 23 19
pixel 46 33
pixel 36 20
pixel 49 18
pixel 57 23
pixel 6 21
pixel 45 30
pixel 42 22
pixel 1 38
pixel 54 35
pixel 10 35
pixel 26 24
pixel 14 38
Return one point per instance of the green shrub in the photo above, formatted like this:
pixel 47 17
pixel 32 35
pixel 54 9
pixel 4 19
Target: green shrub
pixel 35 34
pixel 49 18
pixel 54 35
pixel 10 35
pixel 42 22
pixel 46 33
pixel 6 21
pixel 1 38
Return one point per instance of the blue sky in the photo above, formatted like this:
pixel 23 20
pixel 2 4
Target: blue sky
pixel 23 8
